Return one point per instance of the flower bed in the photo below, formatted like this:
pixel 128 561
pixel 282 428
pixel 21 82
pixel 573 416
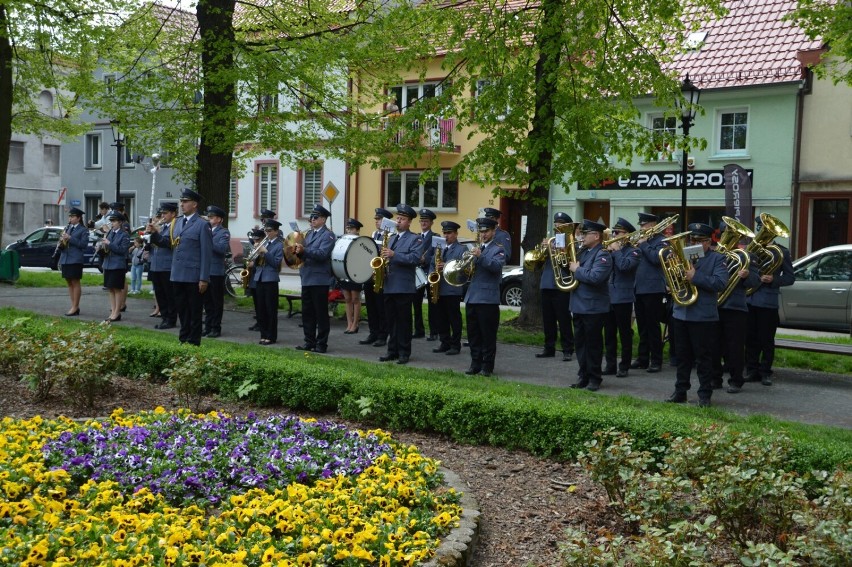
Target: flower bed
pixel 170 489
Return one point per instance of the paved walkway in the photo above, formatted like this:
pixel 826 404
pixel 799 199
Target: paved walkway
pixel 797 395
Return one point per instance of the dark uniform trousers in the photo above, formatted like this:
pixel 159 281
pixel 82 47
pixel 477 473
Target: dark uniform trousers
pixel 266 308
pixel 315 322
pixel 696 346
pixel 448 321
pixel 556 312
pixel 189 307
pixel 731 346
pixel 398 317
pixel 650 313
pixel 483 320
pixel 760 340
pixel 214 303
pixel 375 304
pixel 162 282
pixel 417 309
pixel 588 334
pixel 619 326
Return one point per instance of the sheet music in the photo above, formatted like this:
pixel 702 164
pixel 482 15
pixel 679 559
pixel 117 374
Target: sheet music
pixel 471 225
pixel 294 226
pixel 559 241
pixel 438 241
pixel 389 225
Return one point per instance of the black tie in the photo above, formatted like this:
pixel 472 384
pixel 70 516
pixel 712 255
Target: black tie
pixel 184 221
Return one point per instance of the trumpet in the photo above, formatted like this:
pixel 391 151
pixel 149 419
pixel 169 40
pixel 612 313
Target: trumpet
pixel 736 259
pixel 675 264
pixel 380 266
pixel 434 278
pixel 560 260
pixel 770 256
pixel 633 238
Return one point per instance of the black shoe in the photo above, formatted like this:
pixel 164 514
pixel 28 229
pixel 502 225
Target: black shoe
pixel 418 335
pixel 621 374
pixel 368 341
pixel 321 349
pixel 546 354
pixel 704 403
pixel 387 358
pixel 593 387
pixel 214 335
pixel 752 377
pixel 609 371
pixel 165 325
pixel 677 398
pixel 432 338
pixel 380 342
pixel 453 351
pixel 74 313
pixel 205 332
pixel 123 308
pixel 254 328
pixel 402 360
pixel 568 357
pixel 652 369
pixel 580 384
pixel 639 364
pixel 440 349
pixel 472 370
pixel 305 347
pixel 734 389
pixel 486 372
pixel 766 381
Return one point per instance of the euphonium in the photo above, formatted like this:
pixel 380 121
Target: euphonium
pixel 736 259
pixel 380 266
pixel 675 264
pixel 459 272
pixel 434 278
pixel 560 258
pixel 769 256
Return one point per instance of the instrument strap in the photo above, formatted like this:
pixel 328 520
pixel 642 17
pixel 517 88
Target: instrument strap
pixel 172 232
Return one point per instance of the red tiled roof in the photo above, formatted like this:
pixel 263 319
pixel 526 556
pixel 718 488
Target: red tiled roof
pixel 751 45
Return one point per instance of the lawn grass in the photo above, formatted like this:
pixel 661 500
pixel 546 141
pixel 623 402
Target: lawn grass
pixel 54 279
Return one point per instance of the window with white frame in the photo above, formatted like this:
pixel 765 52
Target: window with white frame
pixel 51 159
pixel 232 194
pixel 93 151
pixel 311 188
pixel 267 186
pixel 406 95
pixel 16 157
pixel 109 81
pixel 662 126
pixel 405 187
pixel 488 101
pixel 732 130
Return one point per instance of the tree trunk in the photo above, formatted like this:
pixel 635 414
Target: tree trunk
pixel 215 151
pixel 548 40
pixel 5 109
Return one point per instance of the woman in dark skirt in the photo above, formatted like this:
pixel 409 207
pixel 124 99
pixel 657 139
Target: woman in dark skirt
pixel 351 290
pixel 73 243
pixel 114 247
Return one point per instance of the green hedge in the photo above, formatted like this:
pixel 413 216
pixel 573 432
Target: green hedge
pixel 552 422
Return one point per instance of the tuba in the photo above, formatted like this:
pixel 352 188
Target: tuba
pixel 675 264
pixel 459 272
pixel 560 259
pixel 380 266
pixel 769 256
pixel 736 259
pixel 434 278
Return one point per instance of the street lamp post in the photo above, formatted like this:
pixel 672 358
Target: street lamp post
pixel 688 105
pixel 119 144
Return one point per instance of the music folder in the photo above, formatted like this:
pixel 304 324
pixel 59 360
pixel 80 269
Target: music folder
pixel 693 252
pixel 438 241
pixel 294 226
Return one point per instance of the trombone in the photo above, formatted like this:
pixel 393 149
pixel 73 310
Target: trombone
pixel 633 238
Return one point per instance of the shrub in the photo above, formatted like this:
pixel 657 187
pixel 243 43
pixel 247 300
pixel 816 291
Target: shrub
pixel 193 376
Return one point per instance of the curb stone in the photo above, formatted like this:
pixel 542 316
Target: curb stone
pixel 456 549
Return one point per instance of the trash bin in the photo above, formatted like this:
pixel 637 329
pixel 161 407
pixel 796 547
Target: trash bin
pixel 10 266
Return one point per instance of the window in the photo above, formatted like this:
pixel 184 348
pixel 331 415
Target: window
pixel 311 188
pixel 405 187
pixel 406 95
pixel 232 194
pixel 16 157
pixel 15 218
pixel 267 187
pixel 662 127
pixel 127 158
pixel 51 213
pixel 51 159
pixel 109 81
pixel 267 103
pixel 488 101
pixel 835 267
pixel 93 151
pixel 733 131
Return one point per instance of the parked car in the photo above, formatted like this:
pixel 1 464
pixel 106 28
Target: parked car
pixel 820 297
pixel 511 286
pixel 36 248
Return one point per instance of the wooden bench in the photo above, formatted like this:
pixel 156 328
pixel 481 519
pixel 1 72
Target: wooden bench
pixel 827 348
pixel 291 297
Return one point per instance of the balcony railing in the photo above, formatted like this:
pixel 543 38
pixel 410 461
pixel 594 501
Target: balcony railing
pixel 434 132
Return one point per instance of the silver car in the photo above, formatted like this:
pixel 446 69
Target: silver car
pixel 821 298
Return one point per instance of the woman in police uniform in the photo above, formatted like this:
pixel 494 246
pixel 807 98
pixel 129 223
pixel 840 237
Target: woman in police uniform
pixel 115 245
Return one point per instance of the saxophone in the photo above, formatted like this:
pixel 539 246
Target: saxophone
pixel 380 266
pixel 435 278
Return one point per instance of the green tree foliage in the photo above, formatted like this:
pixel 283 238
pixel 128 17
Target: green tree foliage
pixel 831 21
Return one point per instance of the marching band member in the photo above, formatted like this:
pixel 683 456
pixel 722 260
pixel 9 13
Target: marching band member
pixel 374 301
pixel 191 245
pixel 590 304
pixel 214 299
pixel 625 260
pixel 316 278
pixel 500 236
pixel 427 219
pixel 160 270
pixel 763 318
pixel 696 325
pixel 403 256
pixel 115 246
pixel 255 236
pixel 351 290
pixel 447 311
pixel 266 267
pixel 555 307
pixel 73 242
pixel 649 301
pixel 482 301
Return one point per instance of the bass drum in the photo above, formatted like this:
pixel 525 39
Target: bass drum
pixel 351 257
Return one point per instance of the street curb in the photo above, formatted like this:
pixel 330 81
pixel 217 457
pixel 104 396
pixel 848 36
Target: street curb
pixel 456 549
